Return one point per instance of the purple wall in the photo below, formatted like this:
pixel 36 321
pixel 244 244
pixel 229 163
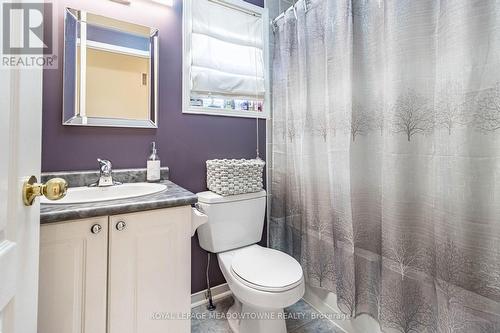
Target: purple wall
pixel 184 141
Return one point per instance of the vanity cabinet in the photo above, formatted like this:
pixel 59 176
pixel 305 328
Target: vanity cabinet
pixel 149 271
pixel 126 276
pixel 73 277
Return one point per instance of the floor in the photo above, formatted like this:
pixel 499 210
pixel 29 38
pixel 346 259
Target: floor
pixel 302 318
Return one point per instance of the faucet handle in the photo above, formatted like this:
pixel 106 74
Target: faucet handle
pixel 105 166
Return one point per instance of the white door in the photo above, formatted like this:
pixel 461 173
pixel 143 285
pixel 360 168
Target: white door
pixel 20 156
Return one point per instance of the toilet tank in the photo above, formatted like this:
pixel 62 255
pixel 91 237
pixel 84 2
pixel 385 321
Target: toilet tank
pixel 233 221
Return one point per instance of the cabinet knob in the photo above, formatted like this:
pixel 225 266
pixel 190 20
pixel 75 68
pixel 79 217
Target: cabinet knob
pixel 120 225
pixel 96 228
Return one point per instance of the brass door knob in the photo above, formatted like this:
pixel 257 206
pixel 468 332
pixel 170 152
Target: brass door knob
pixel 54 189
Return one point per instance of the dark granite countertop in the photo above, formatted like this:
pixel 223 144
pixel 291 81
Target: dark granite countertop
pixel 173 196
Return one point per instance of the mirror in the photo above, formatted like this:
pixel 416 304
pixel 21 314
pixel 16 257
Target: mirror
pixel 110 72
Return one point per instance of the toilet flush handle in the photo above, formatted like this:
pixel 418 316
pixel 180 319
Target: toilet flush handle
pixel 197 219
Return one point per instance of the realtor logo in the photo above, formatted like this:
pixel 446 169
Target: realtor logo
pixel 27 35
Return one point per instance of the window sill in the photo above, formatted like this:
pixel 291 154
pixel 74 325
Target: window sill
pixel 226 113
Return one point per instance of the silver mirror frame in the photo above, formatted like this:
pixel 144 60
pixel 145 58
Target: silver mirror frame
pixel 71 114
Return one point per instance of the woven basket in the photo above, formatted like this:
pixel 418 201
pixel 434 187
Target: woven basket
pixel 230 177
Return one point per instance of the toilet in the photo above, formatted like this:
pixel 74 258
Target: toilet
pixel 263 281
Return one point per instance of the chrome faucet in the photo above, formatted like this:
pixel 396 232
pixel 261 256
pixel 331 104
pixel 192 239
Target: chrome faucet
pixel 105 174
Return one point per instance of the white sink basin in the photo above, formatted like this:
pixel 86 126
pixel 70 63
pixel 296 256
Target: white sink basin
pixel 76 195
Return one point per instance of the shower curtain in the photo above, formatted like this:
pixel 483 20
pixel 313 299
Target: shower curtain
pixel 386 158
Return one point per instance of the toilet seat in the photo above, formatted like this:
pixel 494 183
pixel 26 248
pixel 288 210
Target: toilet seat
pixel 266 269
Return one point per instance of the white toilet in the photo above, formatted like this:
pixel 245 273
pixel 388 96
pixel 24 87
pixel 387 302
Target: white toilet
pixel 262 280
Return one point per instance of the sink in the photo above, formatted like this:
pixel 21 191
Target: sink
pixel 77 195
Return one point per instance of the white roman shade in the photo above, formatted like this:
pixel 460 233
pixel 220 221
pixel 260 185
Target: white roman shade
pixel 227 57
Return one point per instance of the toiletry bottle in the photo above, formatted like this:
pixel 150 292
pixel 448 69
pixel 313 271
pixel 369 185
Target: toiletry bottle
pixel 153 165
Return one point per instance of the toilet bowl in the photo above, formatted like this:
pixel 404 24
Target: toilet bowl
pixel 263 281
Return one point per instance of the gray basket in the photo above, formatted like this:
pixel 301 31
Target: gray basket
pixel 230 177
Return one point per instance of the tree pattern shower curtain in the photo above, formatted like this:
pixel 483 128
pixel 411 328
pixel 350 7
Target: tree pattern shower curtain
pixel 386 158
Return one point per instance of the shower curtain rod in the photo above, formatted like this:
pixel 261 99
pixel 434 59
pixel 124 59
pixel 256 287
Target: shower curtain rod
pixel 292 7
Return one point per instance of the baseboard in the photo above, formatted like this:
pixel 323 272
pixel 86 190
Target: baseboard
pixel 326 303
pixel 322 301
pixel 218 292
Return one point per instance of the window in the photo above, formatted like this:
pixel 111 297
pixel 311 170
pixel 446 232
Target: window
pixel 225 69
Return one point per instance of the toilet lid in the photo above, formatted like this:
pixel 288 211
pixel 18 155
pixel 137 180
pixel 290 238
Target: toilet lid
pixel 266 269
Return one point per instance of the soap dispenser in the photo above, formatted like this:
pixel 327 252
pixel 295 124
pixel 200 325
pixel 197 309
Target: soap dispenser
pixel 153 165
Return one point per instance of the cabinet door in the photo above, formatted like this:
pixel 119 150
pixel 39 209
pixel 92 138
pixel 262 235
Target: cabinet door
pixel 72 283
pixel 150 271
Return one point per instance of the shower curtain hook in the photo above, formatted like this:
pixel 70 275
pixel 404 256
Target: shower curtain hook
pixel 274 25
